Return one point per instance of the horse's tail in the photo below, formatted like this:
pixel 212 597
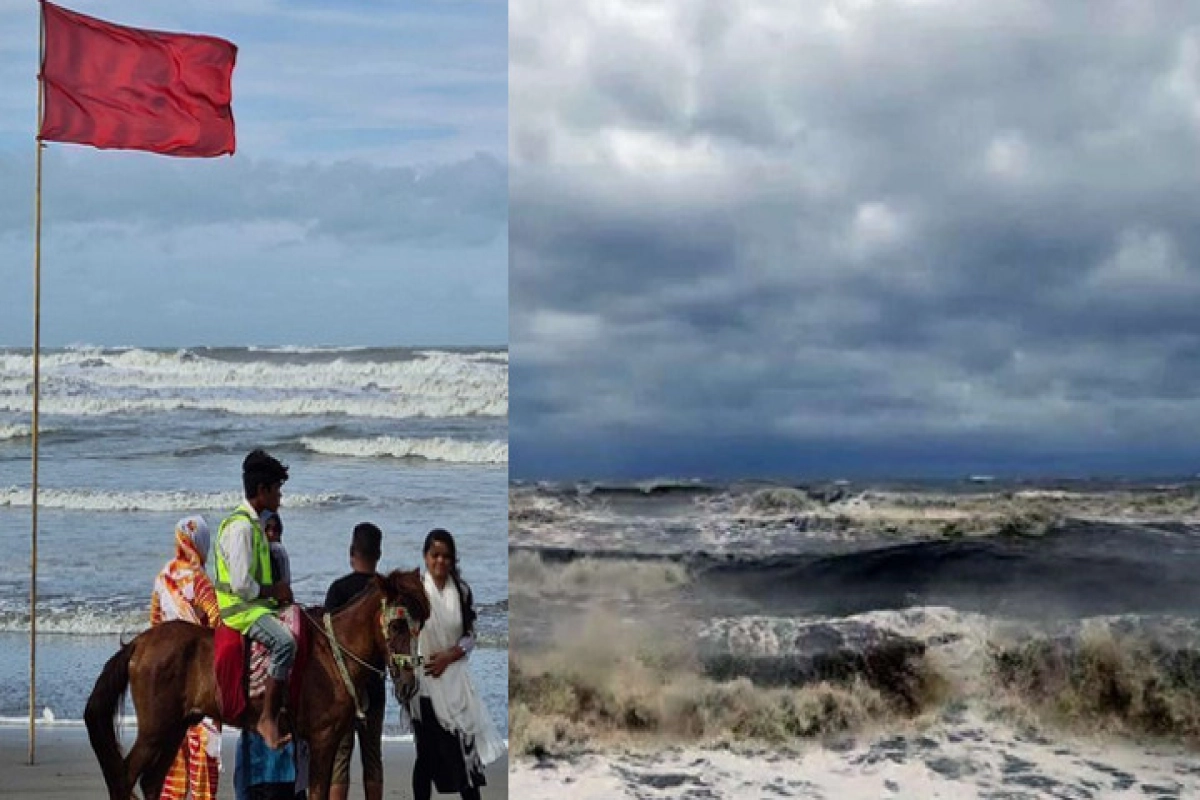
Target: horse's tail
pixel 100 718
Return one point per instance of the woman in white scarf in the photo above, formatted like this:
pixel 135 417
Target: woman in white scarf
pixel 455 735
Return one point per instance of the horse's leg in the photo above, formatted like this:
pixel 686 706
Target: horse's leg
pixel 155 772
pixel 140 757
pixel 320 768
pixel 162 697
pixel 322 749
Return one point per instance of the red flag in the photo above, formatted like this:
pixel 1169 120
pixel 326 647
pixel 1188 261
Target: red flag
pixel 120 88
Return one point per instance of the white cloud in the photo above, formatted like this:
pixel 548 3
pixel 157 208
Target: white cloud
pixel 370 183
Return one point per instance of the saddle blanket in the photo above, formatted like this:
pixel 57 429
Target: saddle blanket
pixel 229 665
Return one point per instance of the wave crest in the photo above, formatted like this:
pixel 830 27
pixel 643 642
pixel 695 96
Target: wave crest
pixel 610 682
pixel 1108 676
pixel 455 451
pixel 89 381
pixel 96 500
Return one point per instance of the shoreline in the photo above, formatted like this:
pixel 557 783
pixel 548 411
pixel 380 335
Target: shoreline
pixel 66 768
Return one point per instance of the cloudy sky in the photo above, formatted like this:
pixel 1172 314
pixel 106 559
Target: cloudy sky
pixel 854 237
pixel 367 202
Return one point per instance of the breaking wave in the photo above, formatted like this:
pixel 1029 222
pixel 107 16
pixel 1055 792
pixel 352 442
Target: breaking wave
pixel 607 682
pixel 78 620
pixel 530 576
pixel 94 500
pixel 11 432
pixel 455 451
pixel 395 384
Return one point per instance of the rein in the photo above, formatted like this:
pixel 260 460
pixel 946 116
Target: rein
pixel 387 614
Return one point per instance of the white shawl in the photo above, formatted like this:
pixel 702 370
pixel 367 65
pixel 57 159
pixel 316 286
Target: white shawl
pixel 453 696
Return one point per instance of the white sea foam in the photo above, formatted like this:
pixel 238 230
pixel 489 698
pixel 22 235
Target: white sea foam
pixel 92 382
pixel 973 758
pixel 93 500
pixel 383 407
pixel 77 620
pixel 435 449
pixel 10 432
pixel 41 721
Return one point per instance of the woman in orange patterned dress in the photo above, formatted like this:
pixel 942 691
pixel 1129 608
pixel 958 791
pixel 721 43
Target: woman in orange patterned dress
pixel 183 591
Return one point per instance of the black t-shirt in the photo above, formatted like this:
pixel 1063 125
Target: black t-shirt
pixel 341 593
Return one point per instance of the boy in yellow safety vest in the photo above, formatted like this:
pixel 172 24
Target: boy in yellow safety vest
pixel 247 593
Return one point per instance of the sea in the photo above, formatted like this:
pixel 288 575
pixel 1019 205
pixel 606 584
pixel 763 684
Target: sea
pixel 133 439
pixel 959 639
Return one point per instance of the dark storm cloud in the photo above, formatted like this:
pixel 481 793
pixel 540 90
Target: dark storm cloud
pixel 921 228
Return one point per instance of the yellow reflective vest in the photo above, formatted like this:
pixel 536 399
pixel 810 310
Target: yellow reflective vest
pixel 236 612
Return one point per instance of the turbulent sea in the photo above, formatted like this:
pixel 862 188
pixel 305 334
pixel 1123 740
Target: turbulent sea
pixel 133 439
pixel 955 639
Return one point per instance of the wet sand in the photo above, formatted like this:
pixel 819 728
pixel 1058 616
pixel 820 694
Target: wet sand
pixel 66 768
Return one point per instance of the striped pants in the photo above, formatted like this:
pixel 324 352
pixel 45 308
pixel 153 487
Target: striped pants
pixel 197 765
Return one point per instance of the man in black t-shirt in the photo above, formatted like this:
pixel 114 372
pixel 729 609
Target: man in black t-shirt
pixel 364 558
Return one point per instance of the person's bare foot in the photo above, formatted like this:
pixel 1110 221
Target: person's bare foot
pixel 268 729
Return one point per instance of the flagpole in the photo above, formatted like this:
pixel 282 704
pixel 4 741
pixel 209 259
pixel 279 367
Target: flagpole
pixel 37 348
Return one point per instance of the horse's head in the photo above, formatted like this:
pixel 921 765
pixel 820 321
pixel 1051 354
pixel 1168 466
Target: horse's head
pixel 404 609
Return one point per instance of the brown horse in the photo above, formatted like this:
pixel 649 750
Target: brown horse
pixel 169 671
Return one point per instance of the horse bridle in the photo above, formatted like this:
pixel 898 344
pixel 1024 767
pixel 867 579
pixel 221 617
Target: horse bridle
pixel 389 614
pixel 395 661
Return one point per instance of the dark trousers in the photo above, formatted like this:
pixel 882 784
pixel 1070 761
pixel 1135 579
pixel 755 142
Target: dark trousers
pixel 422 783
pixel 439 760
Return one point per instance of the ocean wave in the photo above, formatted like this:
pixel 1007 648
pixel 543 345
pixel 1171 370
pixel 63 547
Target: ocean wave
pixel 46 719
pixel 1123 674
pixel 531 576
pixel 293 349
pixel 652 487
pixel 92 382
pixel 781 680
pixel 95 500
pixel 607 683
pixel 1080 568
pixel 381 407
pixel 734 517
pixel 457 451
pixel 11 432
pixel 79 620
pixel 82 620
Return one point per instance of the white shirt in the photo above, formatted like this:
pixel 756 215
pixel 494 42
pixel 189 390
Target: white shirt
pixel 236 544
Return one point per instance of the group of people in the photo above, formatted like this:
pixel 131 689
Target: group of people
pixel 252 582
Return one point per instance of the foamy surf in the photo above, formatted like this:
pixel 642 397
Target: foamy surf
pixel 743 640
pixel 453 451
pixel 10 432
pixel 968 758
pixel 95 500
pixel 77 619
pixel 383 407
pixel 90 382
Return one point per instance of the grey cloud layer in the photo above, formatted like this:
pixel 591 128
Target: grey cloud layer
pixel 457 204
pixel 367 203
pixel 142 250
pixel 969 224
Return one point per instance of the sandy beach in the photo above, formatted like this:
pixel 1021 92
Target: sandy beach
pixel 66 768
